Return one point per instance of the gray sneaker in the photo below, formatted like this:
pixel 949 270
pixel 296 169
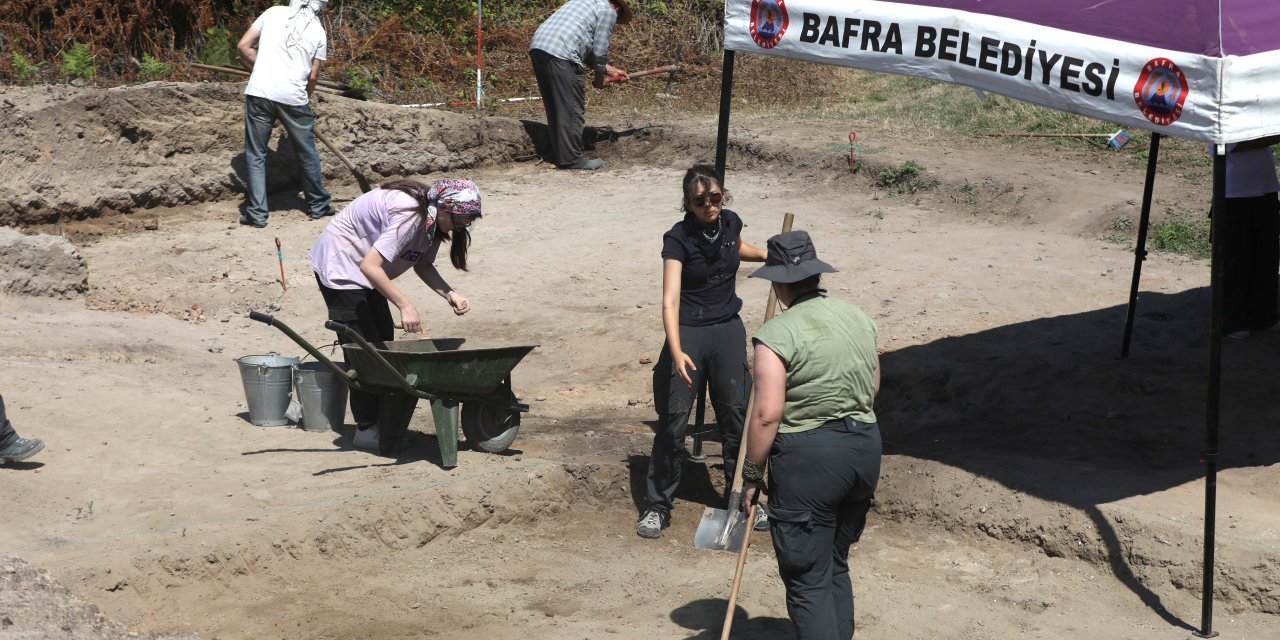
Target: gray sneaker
pixel 652 523
pixel 21 449
pixel 588 165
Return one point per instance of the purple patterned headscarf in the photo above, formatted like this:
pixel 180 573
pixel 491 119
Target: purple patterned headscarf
pixel 455 196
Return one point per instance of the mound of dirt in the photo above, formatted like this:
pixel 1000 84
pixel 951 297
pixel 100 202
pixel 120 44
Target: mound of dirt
pixel 41 266
pixel 34 605
pixel 81 153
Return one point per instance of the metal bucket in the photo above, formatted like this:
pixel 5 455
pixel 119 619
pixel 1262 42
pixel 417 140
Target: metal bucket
pixel 268 380
pixel 323 396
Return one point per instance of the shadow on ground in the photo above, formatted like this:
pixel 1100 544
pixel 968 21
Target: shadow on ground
pixel 1047 408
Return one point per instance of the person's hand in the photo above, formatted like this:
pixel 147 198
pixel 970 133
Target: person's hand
pixel 751 492
pixel 459 302
pixel 684 364
pixel 409 319
pixel 614 74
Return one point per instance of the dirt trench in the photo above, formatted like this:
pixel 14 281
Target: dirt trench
pixel 83 153
pixel 1034 485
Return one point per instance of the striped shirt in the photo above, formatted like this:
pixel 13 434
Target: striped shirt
pixel 578 32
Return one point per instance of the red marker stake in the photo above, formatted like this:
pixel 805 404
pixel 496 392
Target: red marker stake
pixel 280 259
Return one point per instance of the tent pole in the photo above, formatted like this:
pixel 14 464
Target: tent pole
pixel 722 129
pixel 1140 249
pixel 1210 455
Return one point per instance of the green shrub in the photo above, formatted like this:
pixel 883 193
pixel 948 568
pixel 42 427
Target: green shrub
pixel 907 178
pixel 152 69
pixel 1181 235
pixel 25 70
pixel 361 78
pixel 218 48
pixel 77 62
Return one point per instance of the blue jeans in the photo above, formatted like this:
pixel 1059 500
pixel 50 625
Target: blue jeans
pixel 260 115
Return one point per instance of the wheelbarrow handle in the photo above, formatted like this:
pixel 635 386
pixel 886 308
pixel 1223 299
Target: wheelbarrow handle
pixel 315 353
pixel 406 385
pixel 337 326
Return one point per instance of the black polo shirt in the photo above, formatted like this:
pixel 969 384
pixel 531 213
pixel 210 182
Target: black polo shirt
pixel 708 291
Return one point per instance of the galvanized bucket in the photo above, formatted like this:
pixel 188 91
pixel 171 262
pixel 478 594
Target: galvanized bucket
pixel 268 381
pixel 323 396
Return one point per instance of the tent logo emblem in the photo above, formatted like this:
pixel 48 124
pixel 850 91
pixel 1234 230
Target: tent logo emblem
pixel 1160 91
pixel 768 22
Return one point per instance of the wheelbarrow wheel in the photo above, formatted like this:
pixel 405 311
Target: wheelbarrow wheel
pixel 489 428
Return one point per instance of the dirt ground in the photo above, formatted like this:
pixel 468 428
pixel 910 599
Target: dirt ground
pixel 1035 485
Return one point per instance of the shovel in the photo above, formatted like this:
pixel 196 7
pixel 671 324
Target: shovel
pixel 724 529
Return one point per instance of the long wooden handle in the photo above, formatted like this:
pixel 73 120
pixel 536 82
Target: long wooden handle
pixel 769 310
pixel 365 187
pixel 336 86
pixel 737 575
pixel 737 475
pixel 325 139
pixel 648 72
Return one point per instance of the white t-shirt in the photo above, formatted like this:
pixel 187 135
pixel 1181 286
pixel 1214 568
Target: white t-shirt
pixel 383 219
pixel 1251 173
pixel 280 71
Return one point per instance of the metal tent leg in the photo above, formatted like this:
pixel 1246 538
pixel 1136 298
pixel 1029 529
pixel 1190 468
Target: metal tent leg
pixel 1140 249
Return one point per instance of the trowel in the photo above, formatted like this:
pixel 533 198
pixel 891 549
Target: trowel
pixel 724 529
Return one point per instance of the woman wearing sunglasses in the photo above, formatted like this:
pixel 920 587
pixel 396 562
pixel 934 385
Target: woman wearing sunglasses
pixel 377 238
pixel 705 337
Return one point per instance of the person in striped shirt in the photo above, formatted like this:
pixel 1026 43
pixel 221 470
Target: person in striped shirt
pixel 573 38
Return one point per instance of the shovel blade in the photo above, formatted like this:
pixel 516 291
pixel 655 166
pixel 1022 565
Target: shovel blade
pixel 720 530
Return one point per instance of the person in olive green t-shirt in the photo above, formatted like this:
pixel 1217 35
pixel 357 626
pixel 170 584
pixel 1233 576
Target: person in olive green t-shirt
pixel 816 376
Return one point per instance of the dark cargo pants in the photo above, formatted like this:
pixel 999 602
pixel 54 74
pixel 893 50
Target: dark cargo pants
pixel 720 353
pixel 820 487
pixel 7 434
pixel 563 87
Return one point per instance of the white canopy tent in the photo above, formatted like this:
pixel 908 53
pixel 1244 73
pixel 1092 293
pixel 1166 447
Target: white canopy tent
pixel 1197 69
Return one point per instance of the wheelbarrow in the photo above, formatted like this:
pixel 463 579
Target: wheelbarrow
pixel 467 387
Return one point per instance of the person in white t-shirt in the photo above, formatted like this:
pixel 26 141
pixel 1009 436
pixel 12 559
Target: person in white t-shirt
pixel 283 48
pixel 1250 229
pixel 377 238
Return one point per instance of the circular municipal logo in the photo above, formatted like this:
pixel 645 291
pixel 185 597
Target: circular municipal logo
pixel 768 22
pixel 1160 91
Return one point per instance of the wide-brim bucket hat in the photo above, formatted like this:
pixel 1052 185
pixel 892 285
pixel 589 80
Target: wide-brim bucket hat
pixel 791 258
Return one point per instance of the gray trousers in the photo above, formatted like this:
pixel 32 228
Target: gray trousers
pixel 820 487
pixel 7 434
pixel 563 87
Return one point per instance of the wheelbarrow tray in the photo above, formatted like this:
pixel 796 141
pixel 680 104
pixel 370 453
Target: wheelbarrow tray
pixel 438 366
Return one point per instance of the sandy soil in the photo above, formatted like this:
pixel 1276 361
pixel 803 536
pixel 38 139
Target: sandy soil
pixel 1034 486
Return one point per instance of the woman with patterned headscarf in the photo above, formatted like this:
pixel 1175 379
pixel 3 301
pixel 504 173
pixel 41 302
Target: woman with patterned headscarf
pixel 377 238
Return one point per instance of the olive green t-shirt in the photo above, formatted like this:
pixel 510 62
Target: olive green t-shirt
pixel 829 349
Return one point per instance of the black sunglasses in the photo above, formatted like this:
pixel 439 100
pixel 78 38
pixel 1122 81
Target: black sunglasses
pixel 714 197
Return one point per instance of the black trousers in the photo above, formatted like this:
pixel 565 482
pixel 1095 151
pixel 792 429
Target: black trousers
pixel 369 314
pixel 820 487
pixel 720 353
pixel 563 87
pixel 1250 229
pixel 7 434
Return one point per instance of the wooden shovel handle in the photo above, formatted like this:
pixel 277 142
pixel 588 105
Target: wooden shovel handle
pixel 769 310
pixel 737 475
pixel 737 574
